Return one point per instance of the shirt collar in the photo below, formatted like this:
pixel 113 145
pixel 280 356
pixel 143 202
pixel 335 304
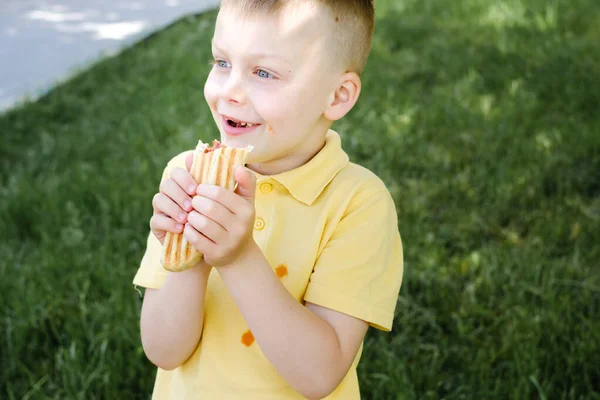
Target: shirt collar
pixel 307 182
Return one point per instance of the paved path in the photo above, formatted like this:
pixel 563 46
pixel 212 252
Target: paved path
pixel 42 42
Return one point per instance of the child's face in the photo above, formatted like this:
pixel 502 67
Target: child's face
pixel 273 72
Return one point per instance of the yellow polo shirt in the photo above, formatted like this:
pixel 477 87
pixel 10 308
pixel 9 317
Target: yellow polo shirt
pixel 329 230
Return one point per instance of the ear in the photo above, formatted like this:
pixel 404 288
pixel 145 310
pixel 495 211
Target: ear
pixel 345 97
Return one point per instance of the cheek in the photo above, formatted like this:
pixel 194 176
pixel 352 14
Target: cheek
pixel 211 92
pixel 272 110
pixel 276 107
pixel 298 109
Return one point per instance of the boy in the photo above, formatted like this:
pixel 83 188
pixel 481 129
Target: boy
pixel 305 255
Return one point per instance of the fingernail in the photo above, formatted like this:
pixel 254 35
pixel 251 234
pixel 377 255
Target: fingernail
pixel 179 227
pixel 191 189
pixel 187 204
pixel 182 217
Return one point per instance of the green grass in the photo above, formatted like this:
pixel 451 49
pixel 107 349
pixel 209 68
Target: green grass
pixel 483 117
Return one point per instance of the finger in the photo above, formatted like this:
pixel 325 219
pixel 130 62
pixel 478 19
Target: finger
pixel 246 183
pixel 159 224
pixel 207 227
pixel 213 210
pixel 198 240
pixel 185 180
pixel 162 204
pixel 221 195
pixel 173 191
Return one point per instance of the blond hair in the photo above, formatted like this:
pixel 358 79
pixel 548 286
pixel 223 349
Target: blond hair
pixel 354 22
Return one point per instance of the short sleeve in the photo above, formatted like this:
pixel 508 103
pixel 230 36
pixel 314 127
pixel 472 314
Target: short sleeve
pixel 151 273
pixel 359 272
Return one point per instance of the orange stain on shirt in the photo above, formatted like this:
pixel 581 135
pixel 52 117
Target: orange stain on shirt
pixel 248 338
pixel 281 271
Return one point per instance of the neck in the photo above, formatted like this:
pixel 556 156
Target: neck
pixel 301 154
pixel 279 166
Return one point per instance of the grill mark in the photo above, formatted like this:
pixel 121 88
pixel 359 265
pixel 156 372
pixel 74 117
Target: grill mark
pixel 188 252
pixel 209 165
pixel 178 240
pixel 215 172
pixel 237 156
pixel 209 162
pixel 222 169
pixel 194 166
pixel 198 169
pixel 169 239
pixel 229 172
pixel 203 167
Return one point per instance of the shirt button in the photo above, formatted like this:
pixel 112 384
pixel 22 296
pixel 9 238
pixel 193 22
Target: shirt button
pixel 266 187
pixel 259 224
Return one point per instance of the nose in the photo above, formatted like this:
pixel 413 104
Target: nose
pixel 233 90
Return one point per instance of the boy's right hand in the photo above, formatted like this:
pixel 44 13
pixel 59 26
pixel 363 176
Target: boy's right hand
pixel 173 202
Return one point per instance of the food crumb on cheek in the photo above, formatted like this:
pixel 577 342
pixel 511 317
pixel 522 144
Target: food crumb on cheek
pixel 281 271
pixel 247 338
pixel 270 130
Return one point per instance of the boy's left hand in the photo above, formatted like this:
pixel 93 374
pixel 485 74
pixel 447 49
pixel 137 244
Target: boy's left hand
pixel 221 224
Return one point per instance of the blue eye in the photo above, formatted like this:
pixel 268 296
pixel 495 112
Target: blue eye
pixel 264 74
pixel 222 64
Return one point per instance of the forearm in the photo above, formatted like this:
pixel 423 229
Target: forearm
pixel 302 347
pixel 173 316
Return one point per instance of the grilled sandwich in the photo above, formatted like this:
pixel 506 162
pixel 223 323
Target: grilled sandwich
pixel 213 165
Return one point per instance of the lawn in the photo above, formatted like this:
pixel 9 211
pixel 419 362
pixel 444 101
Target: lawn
pixel 482 117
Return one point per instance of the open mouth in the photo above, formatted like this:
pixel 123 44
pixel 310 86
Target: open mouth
pixel 238 124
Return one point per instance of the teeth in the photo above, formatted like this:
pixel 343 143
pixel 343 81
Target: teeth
pixel 240 124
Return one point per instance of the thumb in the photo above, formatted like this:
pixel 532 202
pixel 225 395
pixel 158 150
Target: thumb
pixel 246 183
pixel 188 161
